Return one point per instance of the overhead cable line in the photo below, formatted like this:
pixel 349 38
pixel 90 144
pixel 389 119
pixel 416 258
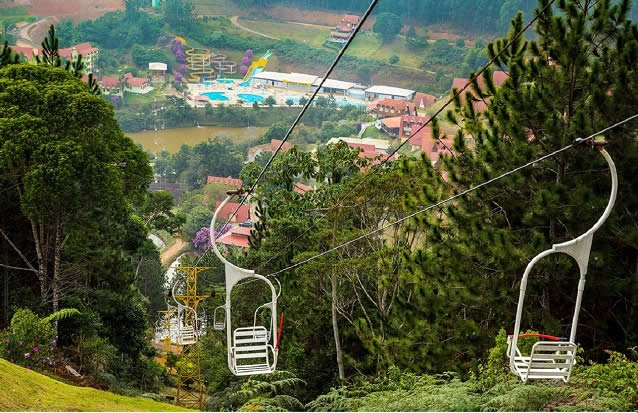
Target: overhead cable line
pixel 460 194
pixel 379 166
pixel 365 16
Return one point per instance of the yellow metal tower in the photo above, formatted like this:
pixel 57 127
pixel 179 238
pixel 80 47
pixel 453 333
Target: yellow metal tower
pixel 190 389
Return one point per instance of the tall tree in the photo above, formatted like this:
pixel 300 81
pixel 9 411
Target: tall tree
pixel 70 166
pixel 387 26
pixel 579 76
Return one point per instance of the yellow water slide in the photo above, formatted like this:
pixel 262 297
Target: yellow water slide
pixel 257 66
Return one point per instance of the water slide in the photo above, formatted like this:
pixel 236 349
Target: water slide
pixel 257 66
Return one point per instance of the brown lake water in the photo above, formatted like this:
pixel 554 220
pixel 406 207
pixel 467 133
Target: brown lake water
pixel 171 139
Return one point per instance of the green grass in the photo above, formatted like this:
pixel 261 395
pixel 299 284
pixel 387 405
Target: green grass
pixel 26 390
pixel 215 7
pixel 13 15
pixel 136 98
pixel 369 46
pixel 374 133
pixel 304 34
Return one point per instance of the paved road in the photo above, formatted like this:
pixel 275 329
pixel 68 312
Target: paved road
pixel 234 20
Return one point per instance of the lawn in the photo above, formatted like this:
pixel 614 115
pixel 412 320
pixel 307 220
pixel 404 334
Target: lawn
pixel 368 45
pixel 13 15
pixel 26 390
pixel 215 7
pixel 150 97
pixel 304 34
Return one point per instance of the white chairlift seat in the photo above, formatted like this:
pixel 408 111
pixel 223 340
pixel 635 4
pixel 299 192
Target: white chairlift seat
pixel 187 335
pixel 554 359
pixel 219 323
pixel 251 351
pixel 549 360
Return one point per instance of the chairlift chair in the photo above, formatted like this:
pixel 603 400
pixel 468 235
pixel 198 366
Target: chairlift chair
pixel 249 349
pixel 186 333
pixel 552 357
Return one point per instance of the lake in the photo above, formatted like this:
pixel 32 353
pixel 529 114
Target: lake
pixel 171 139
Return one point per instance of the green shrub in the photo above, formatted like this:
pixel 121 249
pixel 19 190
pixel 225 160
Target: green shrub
pixel 618 377
pixel 28 341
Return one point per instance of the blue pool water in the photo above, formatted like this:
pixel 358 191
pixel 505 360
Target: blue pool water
pixel 207 82
pixel 295 99
pixel 250 98
pixel 341 102
pixel 226 81
pixel 245 84
pixel 221 96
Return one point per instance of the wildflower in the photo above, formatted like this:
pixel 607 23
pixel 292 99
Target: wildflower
pixel 50 362
pixel 27 355
pixel 20 342
pixel 8 340
pixel 53 343
pixel 8 351
pixel 28 367
pixel 35 349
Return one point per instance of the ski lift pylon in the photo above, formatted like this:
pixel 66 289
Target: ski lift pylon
pixel 553 357
pixel 249 349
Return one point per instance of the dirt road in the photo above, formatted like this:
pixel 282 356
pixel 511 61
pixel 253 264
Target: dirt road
pixel 234 20
pixel 170 252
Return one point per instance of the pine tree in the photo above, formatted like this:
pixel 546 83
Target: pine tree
pixel 578 77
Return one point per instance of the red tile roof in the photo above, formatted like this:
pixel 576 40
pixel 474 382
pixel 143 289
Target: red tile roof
pixel 344 28
pixel 228 181
pixel 28 52
pixel 110 81
pixel 423 100
pixel 133 81
pixel 416 139
pixel 392 123
pixel 274 144
pixel 433 150
pixel 302 189
pixel 242 215
pixel 366 147
pixel 399 106
pixel 414 122
pixel 235 238
pixel 350 18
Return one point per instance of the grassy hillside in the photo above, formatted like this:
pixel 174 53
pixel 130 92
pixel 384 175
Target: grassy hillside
pixel 24 389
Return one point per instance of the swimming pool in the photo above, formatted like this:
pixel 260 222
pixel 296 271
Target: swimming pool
pixel 226 81
pixel 245 84
pixel 250 98
pixel 347 102
pixel 295 99
pixel 221 96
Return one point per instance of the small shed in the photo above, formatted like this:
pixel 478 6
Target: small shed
pixel 157 72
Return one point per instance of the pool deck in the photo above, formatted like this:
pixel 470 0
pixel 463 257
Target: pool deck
pixel 231 90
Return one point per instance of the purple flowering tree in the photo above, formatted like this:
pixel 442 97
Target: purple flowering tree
pixel 201 242
pixel 243 69
pixel 179 77
pixel 245 61
pixel 249 53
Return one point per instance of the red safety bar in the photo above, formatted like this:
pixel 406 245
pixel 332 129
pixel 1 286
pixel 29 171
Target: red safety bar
pixel 543 336
pixel 281 329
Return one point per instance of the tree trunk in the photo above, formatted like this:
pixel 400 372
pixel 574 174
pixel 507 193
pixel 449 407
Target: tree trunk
pixel 5 289
pixel 333 296
pixel 55 286
pixel 335 325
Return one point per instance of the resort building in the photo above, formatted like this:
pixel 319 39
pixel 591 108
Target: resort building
pixel 367 144
pixel 157 72
pixel 242 215
pixel 236 237
pixel 498 78
pixel 134 84
pixel 294 81
pixel 345 29
pixel 386 108
pixel 410 124
pixel 423 100
pixel 391 126
pixel 89 54
pixel 389 92
pixel 110 85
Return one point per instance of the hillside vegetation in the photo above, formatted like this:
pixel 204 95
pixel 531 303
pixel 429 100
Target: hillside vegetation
pixel 23 389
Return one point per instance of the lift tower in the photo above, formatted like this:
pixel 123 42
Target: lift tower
pixel 190 388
